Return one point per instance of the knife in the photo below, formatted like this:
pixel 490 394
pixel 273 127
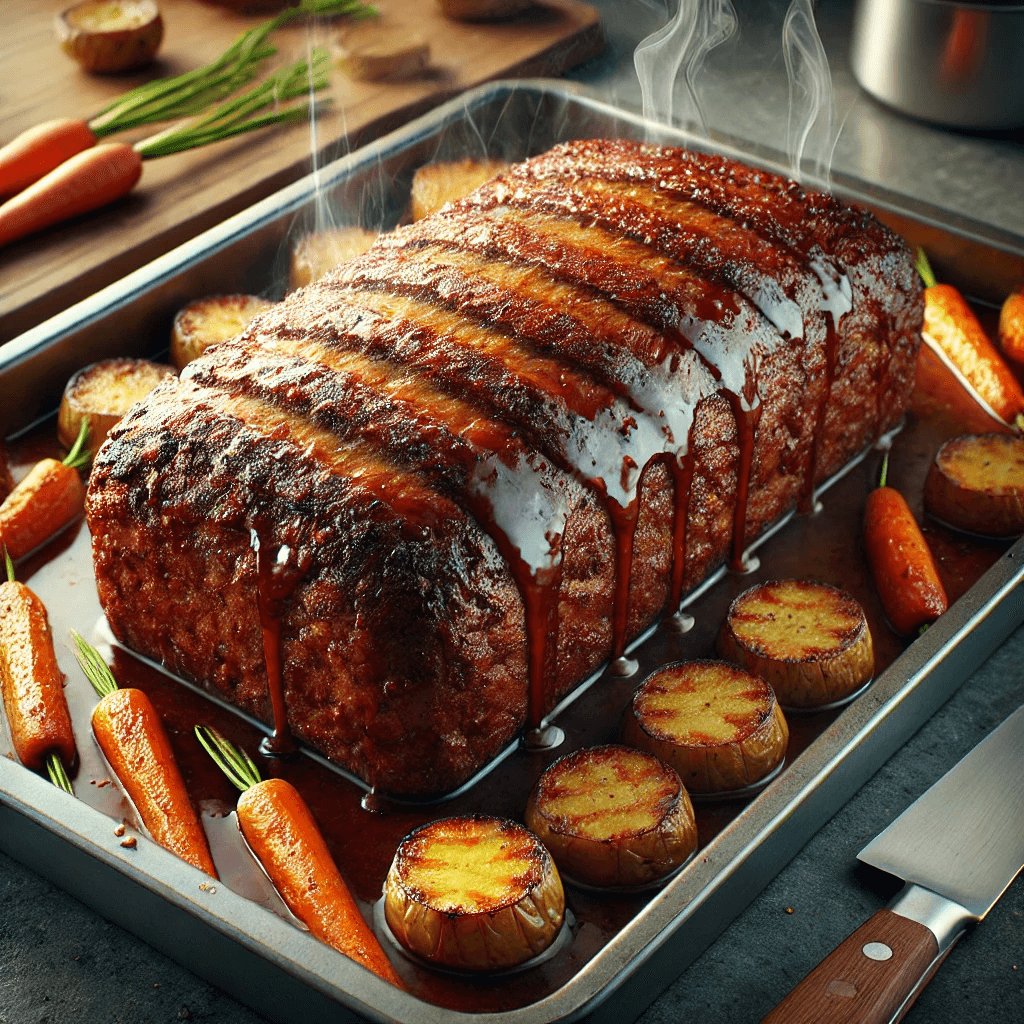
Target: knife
pixel 957 848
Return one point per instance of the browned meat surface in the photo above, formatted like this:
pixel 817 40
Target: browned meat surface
pixel 498 445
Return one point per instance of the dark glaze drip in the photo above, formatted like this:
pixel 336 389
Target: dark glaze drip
pixel 746 429
pixel 540 597
pixel 624 521
pixel 275 583
pixel 539 590
pixel 682 477
pixel 805 505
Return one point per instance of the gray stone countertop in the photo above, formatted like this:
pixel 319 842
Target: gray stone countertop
pixel 60 962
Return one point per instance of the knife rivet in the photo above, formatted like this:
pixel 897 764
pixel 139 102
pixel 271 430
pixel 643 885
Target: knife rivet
pixel 877 951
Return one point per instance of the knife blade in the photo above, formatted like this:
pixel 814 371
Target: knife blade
pixel 957 848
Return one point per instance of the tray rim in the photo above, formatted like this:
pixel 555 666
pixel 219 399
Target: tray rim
pixel 975 625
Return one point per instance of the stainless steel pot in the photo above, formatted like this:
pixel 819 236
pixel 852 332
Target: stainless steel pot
pixel 960 64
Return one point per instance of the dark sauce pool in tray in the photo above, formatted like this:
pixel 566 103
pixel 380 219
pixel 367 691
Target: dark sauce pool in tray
pixel 824 546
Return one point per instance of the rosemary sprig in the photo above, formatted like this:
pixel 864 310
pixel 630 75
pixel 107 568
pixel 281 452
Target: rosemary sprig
pixel 234 762
pixel 79 455
pixel 235 116
pixel 94 667
pixel 188 94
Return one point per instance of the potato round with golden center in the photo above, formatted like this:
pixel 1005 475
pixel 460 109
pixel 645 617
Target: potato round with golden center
pixel 474 893
pixel 808 640
pixel 102 393
pixel 313 255
pixel 107 36
pixel 433 185
pixel 720 727
pixel 976 483
pixel 205 322
pixel 612 815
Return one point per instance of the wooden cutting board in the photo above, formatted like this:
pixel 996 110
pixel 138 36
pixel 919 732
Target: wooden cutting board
pixel 182 195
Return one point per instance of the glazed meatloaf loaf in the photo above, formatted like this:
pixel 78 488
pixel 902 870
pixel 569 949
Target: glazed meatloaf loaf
pixel 447 482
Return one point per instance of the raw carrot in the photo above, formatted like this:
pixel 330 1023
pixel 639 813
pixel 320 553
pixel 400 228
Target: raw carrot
pixel 86 182
pixel 282 832
pixel 138 750
pixel 39 150
pixel 951 326
pixel 1011 326
pixel 901 562
pixel 50 497
pixel 100 175
pixel 32 682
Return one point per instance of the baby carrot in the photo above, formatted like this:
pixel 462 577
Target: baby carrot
pixel 901 562
pixel 1011 326
pixel 89 180
pixel 282 832
pixel 39 150
pixel 49 498
pixel 950 324
pixel 137 748
pixel 32 683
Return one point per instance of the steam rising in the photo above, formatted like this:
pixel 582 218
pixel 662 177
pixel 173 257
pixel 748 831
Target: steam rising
pixel 811 134
pixel 683 44
pixel 698 27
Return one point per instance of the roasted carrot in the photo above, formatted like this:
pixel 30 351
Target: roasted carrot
pixel 951 326
pixel 86 182
pixel 32 683
pixel 938 392
pixel 282 832
pixel 901 563
pixel 1011 326
pixel 138 750
pixel 50 497
pixel 39 150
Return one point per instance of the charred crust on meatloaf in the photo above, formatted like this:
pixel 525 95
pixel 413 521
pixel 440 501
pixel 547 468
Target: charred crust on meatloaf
pixel 355 418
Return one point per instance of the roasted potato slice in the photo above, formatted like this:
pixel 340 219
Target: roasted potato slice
pixel 433 185
pixel 106 36
pixel 384 55
pixel 976 483
pixel 475 893
pixel 810 641
pixel 102 393
pixel 720 727
pixel 204 322
pixel 315 254
pixel 613 816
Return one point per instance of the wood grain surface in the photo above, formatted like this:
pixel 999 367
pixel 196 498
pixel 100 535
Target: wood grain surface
pixel 848 987
pixel 182 195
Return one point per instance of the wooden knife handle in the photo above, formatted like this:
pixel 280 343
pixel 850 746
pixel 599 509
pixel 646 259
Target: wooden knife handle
pixel 850 986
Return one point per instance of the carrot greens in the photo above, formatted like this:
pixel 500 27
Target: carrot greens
pixel 235 116
pixel 94 667
pixel 234 762
pixel 188 94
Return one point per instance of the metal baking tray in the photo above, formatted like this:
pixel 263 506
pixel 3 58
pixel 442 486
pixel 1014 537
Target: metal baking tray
pixel 625 948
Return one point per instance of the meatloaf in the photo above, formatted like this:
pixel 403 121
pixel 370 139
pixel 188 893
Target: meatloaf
pixel 442 485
